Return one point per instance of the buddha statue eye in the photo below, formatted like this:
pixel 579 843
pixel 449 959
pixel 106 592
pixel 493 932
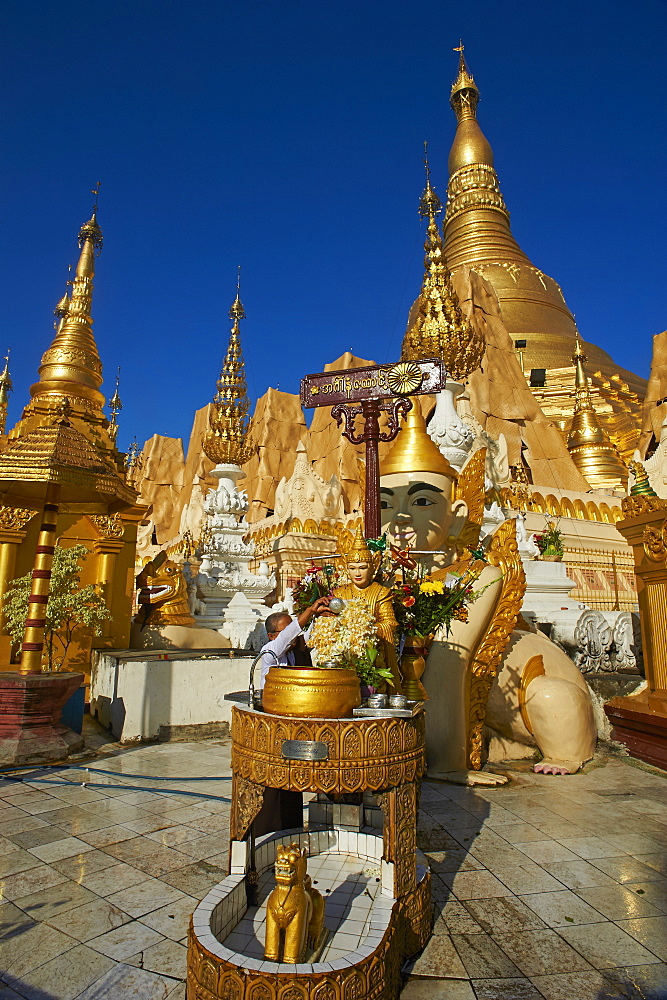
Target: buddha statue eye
pixel 385 505
pixel 422 502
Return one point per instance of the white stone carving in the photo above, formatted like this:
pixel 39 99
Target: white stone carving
pixel 624 651
pixel 307 495
pixel 656 465
pixel 452 435
pixel 223 573
pixel 593 636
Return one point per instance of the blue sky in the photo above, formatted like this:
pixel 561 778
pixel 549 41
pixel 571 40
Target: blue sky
pixel 287 137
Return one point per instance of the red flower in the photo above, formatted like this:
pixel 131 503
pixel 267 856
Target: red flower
pixel 406 588
pixel 408 602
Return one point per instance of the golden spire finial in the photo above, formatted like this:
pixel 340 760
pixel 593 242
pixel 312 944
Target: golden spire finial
pixel 440 329
pixel 72 364
pixel 465 93
pixel 641 485
pixel 226 440
pixel 593 453
pixel 6 387
pixel 115 406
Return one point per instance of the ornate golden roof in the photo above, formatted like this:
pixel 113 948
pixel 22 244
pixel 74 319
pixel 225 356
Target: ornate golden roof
pixel 591 450
pixel 226 440
pixel 440 329
pixel 58 453
pixel 71 366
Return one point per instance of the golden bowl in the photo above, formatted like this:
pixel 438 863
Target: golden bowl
pixel 311 693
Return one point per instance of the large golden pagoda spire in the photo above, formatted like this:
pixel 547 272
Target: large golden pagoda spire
pixel 440 329
pixel 592 451
pixel 71 366
pixel 226 440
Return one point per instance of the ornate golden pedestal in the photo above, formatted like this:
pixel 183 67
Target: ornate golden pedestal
pixel 348 757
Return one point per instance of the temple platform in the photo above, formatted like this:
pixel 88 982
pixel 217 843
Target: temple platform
pixel 547 889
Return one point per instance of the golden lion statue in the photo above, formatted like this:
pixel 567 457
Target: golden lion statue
pixel 164 620
pixel 294 910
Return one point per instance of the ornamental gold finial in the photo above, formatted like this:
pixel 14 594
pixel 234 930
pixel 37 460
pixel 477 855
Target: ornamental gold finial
pixel 6 387
pixel 226 440
pixel 593 453
pixel 440 329
pixel 465 93
pixel 641 485
pixel 72 364
pixel 115 406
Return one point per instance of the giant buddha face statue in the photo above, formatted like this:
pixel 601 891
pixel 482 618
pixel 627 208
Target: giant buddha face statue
pixel 416 486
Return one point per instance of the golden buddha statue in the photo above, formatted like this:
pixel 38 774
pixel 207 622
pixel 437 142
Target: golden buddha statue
pixel 361 566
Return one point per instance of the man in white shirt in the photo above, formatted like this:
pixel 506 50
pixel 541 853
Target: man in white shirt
pixel 283 631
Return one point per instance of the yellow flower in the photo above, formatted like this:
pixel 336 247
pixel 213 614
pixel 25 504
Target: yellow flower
pixel 431 587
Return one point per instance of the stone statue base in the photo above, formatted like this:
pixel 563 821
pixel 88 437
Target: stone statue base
pixel 30 728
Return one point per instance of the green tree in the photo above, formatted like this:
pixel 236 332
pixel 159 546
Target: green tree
pixel 70 605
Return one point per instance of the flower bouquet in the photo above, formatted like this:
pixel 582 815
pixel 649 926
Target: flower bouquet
pixel 550 542
pixel 349 640
pixel 318 581
pixel 422 607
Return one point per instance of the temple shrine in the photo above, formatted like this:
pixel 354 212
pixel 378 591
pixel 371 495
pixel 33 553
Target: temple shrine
pixel 454 577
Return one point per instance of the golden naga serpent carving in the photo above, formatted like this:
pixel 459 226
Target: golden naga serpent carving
pixel 503 553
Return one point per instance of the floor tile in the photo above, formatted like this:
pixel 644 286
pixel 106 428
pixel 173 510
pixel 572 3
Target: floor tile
pixel 546 851
pixel 80 865
pixel 579 874
pixel 506 989
pixel 107 835
pixel 657 861
pixel 125 981
pixel 619 902
pixel 26 883
pixel 649 931
pixel 527 878
pixel 640 982
pixel 558 909
pixel 436 989
pixel 540 952
pixel 519 833
pixel 64 977
pixel 475 885
pixel 21 823
pixel 454 918
pixel 18 861
pixel 196 879
pixel 654 892
pixel 90 920
pixel 504 914
pixel 439 960
pixel 591 847
pixel 606 945
pixel 633 843
pixel 167 958
pixel 576 986
pixel 49 903
pixel 112 879
pixel 482 957
pixel 144 897
pixel 626 869
pixel 34 838
pixel 124 941
pixel 21 953
pixel 173 919
pixel 59 849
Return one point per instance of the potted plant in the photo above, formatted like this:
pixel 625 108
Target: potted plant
pixel 70 607
pixel 550 542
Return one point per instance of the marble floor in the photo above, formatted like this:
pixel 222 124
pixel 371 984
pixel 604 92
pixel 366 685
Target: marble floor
pixel 547 889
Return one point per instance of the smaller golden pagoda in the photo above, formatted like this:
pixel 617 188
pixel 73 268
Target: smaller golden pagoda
pixel 63 452
pixel 226 442
pixel 6 387
pixel 439 329
pixel 592 451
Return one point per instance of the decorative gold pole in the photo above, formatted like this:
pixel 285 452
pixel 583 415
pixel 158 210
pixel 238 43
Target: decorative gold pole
pixel 5 389
pixel 33 638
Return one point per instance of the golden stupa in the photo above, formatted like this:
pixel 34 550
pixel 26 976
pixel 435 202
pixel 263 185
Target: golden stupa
pixel 477 235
